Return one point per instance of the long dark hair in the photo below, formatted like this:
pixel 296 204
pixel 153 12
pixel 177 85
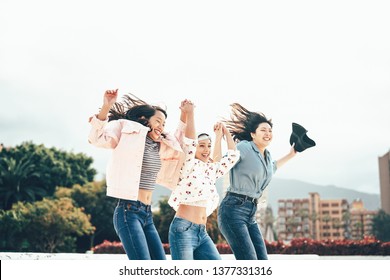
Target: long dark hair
pixel 243 122
pixel 134 109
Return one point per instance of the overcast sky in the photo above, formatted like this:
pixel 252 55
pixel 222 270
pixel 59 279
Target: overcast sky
pixel 322 64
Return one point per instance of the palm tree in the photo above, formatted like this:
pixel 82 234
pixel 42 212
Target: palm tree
pixel 18 182
pixel 326 219
pixel 313 217
pixel 269 233
pixel 336 224
pixel 346 224
pixel 359 230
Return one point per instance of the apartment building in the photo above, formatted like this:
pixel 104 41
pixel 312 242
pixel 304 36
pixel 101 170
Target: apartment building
pixel 293 219
pixel 313 218
pixel 360 220
pixel 384 178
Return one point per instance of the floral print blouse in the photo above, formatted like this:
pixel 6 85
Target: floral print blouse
pixel 196 185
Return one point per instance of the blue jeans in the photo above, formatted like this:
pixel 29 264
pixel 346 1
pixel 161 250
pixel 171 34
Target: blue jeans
pixel 189 241
pixel 134 225
pixel 236 221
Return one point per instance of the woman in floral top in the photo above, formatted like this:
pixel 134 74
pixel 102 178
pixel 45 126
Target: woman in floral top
pixel 196 196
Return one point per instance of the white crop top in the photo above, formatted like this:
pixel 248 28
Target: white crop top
pixel 196 186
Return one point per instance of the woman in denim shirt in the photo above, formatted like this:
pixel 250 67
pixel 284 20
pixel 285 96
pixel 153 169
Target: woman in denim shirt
pixel 248 179
pixel 142 154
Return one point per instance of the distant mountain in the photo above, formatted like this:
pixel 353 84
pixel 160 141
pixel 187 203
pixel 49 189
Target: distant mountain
pixel 285 189
pixel 294 189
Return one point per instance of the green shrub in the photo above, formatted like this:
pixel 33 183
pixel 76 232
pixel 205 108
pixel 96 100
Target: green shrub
pixel 43 226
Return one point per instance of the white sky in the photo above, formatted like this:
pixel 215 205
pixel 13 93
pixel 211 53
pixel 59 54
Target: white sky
pixel 323 64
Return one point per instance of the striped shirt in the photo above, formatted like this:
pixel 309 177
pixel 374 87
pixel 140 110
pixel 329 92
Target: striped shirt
pixel 151 164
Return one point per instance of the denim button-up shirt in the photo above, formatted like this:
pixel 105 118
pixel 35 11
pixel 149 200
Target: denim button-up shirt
pixel 252 173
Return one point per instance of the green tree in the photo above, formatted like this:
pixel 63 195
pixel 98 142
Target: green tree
pixel 45 226
pixel 326 219
pixel 93 199
pixel 212 228
pixel 336 224
pixel 359 229
pixel 381 226
pixel 51 168
pixel 11 230
pixel 346 224
pixel 163 218
pixel 313 217
pixel 19 181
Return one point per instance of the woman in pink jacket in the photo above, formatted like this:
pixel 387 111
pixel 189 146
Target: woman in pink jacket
pixel 142 155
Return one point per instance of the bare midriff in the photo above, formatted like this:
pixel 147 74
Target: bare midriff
pixel 194 214
pixel 145 196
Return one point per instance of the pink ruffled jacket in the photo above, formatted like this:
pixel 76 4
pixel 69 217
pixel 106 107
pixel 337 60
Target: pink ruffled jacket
pixel 127 139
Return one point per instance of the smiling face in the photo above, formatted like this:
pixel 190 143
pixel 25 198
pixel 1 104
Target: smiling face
pixel 262 136
pixel 156 124
pixel 203 150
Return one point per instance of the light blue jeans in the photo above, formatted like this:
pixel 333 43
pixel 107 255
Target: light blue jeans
pixel 189 241
pixel 237 223
pixel 133 222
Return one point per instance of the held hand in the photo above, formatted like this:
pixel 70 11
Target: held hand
pixel 182 105
pixel 218 130
pixel 224 129
pixel 110 97
pixel 187 106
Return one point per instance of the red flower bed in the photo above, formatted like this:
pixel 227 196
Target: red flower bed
pixel 366 246
pixel 108 247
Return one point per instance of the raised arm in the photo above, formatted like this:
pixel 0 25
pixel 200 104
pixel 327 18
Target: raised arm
pixel 280 162
pixel 109 100
pixel 187 108
pixel 183 116
pixel 217 151
pixel 222 132
pixel 231 145
pixel 227 161
pixel 100 135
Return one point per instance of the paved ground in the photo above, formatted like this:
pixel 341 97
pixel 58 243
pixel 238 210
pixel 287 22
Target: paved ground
pixel 87 256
